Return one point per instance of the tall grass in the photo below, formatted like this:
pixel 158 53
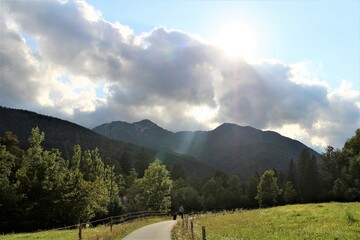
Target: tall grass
pixel 306 221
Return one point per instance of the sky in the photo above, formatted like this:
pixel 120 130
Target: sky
pixel 286 66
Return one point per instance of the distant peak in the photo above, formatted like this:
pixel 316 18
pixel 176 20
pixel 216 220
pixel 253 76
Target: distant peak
pixel 233 125
pixel 145 121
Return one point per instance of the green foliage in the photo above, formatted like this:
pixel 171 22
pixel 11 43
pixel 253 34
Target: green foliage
pixel 268 189
pixel 177 172
pixel 152 192
pixel 308 177
pixel 142 162
pixel 8 195
pixel 290 193
pixel 40 189
pixel 186 196
pixel 125 162
pixel 340 170
pixel 213 193
pixel 252 189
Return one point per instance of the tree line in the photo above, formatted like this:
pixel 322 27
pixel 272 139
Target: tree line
pixel 333 177
pixel 39 189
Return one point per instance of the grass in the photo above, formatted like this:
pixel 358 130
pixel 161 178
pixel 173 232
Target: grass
pixel 306 221
pixel 101 232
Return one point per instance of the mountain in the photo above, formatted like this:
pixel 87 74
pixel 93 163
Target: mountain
pixel 229 147
pixel 63 135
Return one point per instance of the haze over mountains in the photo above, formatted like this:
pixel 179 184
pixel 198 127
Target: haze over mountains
pixel 229 147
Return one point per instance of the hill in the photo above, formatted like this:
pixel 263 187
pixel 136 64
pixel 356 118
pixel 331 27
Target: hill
pixel 229 147
pixel 63 135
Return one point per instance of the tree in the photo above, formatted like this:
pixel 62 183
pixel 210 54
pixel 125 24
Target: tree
pixel 177 172
pixel 55 191
pixel 213 193
pixel 233 194
pixel 308 177
pixel 142 162
pixel 186 196
pixel 125 162
pixel 290 193
pixel 40 181
pixel 268 189
pixel 11 142
pixel 152 192
pixel 351 171
pixel 329 169
pixel 91 187
pixel 252 189
pixel 8 195
pixel 292 174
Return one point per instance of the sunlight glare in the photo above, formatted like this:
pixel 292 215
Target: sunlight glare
pixel 236 40
pixel 203 113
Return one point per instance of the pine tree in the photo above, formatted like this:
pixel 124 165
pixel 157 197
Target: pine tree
pixel 142 162
pixel 290 193
pixel 308 177
pixel 125 162
pixel 252 189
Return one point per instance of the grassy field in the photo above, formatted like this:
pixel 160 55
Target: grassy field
pixel 101 232
pixel 307 221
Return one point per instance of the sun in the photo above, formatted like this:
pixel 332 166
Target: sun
pixel 236 40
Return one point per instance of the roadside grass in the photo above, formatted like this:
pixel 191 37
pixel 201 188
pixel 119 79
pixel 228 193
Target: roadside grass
pixel 119 231
pixel 302 221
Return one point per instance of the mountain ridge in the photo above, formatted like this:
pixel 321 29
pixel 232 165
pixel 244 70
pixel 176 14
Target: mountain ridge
pixel 63 135
pixel 234 149
pixel 229 147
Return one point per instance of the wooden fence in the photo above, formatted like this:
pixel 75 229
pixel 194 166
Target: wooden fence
pixel 110 221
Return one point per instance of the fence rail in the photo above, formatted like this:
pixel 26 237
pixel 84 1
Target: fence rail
pixel 110 221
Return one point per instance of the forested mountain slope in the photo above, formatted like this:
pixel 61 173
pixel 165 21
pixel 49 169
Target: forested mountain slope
pixel 229 147
pixel 63 135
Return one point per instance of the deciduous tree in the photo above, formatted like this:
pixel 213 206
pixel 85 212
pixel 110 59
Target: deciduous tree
pixel 268 189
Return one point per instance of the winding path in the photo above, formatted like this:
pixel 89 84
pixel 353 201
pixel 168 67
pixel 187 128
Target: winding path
pixel 156 231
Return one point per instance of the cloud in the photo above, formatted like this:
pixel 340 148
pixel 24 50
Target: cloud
pixel 90 71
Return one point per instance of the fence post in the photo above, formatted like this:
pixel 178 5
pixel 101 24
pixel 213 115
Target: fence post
pixel 80 234
pixel 192 229
pixel 187 222
pixel 203 233
pixel 111 224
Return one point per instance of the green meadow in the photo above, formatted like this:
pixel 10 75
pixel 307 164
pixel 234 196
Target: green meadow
pixel 101 232
pixel 302 221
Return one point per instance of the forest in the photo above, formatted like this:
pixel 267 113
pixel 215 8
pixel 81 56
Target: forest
pixel 40 189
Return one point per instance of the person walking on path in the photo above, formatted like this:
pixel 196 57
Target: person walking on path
pixel 181 211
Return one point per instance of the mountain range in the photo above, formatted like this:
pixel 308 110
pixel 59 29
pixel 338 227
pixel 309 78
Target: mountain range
pixel 231 148
pixel 63 135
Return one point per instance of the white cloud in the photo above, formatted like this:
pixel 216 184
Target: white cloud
pixel 92 71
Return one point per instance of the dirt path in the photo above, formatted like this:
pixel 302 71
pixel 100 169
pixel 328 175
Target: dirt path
pixel 158 231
